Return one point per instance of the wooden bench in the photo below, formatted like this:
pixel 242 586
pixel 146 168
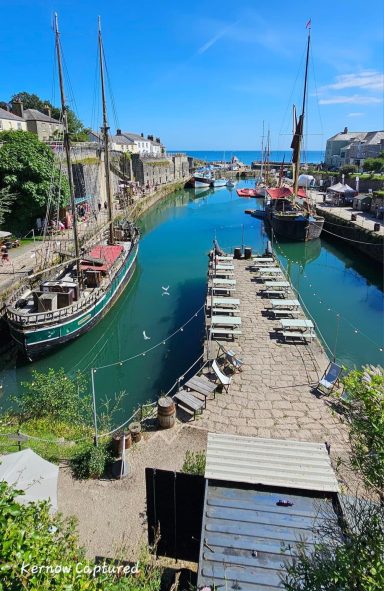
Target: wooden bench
pixel 225 310
pixel 274 292
pixel 189 401
pixel 302 336
pixel 225 332
pixel 283 312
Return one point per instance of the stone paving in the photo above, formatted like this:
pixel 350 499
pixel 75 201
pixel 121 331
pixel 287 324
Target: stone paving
pixel 272 396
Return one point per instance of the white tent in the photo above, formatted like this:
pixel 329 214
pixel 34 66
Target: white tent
pixel 306 180
pixel 29 472
pixel 4 234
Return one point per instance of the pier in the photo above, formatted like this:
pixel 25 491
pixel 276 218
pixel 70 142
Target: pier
pixel 272 396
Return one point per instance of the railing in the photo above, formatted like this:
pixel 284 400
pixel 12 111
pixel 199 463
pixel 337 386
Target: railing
pixel 51 317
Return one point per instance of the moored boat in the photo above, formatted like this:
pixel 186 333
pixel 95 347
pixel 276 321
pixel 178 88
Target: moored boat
pixel 67 300
pixel 287 211
pixel 246 192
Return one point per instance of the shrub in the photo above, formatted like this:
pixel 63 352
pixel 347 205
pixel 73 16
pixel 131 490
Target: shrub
pixel 194 463
pixel 91 462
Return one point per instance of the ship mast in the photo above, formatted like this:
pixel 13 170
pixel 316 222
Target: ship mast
pixel 104 131
pixel 67 147
pixel 298 137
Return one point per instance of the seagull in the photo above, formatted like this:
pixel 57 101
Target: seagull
pixel 165 290
pixel 145 336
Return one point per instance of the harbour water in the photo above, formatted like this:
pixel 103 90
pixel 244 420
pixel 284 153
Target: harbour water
pixel 341 289
pixel 248 156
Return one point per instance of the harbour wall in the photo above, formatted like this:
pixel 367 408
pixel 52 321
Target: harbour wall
pixel 357 237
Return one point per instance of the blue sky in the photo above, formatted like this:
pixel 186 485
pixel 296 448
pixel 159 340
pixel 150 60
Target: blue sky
pixel 204 75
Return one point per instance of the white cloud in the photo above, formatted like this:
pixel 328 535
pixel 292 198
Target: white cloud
pixel 356 99
pixel 355 114
pixel 365 80
pixel 216 37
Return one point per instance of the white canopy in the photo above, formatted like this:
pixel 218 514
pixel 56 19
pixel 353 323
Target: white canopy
pixel 29 472
pixel 306 180
pixel 4 234
pixel 341 188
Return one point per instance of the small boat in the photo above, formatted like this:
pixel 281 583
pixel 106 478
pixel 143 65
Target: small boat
pixel 219 183
pixel 201 181
pixel 247 192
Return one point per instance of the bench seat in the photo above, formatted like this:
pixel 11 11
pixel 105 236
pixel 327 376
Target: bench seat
pixel 225 332
pixel 189 401
pixel 303 336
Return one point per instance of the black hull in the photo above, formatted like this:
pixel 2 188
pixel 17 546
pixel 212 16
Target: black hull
pixel 296 229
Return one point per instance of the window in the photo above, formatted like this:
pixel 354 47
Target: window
pixel 18 125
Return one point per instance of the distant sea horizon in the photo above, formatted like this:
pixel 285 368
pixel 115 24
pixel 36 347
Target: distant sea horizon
pixel 248 156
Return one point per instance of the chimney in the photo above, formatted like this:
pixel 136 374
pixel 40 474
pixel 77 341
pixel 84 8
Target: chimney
pixel 158 140
pixel 150 137
pixel 17 108
pixel 142 135
pixel 47 110
pixel 345 130
pixel 118 131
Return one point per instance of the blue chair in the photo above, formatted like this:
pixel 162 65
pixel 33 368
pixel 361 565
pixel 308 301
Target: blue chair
pixel 330 378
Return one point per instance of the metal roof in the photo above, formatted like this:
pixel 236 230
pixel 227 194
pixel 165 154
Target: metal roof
pixel 271 462
pixel 248 533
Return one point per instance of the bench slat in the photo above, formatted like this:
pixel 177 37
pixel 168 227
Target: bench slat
pixel 189 400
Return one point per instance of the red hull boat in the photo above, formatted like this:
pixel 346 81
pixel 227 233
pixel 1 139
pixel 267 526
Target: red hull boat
pixel 247 192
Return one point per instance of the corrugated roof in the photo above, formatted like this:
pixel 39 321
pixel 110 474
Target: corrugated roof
pixel 248 534
pixel 271 462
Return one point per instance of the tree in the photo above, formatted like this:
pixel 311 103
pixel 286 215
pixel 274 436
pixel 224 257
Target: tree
pixel 373 164
pixel 32 101
pixel 54 395
pixel 6 199
pixel 347 560
pixel 365 416
pixel 33 540
pixel 29 171
pixel 348 168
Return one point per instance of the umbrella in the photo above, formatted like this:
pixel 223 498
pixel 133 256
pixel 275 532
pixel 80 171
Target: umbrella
pixel 28 471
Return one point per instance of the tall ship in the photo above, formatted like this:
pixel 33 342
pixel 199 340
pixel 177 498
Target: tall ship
pixel 287 209
pixel 67 300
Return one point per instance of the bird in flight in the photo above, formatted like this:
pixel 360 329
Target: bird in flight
pixel 165 290
pixel 145 336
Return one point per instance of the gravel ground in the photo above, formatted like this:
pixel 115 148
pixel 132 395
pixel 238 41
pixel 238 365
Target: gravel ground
pixel 112 513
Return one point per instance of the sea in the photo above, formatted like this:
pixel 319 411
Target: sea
pixel 249 156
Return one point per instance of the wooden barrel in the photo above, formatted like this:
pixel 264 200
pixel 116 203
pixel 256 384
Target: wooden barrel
pixel 248 252
pixel 117 441
pixel 376 227
pixel 135 431
pixel 237 253
pixel 166 412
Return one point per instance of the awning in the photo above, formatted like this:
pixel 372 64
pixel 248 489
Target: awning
pixel 28 471
pixel 4 234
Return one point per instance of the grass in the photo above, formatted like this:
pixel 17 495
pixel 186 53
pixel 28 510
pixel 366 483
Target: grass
pixel 47 432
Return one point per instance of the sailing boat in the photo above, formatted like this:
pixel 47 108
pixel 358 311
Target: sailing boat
pixel 71 298
pixel 288 211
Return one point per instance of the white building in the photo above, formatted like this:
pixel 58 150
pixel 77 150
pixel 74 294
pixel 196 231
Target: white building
pixel 147 146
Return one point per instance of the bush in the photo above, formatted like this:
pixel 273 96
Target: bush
pixel 91 462
pixel 194 463
pixel 53 394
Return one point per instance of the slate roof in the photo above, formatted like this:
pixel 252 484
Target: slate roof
pixel 35 115
pixel 8 115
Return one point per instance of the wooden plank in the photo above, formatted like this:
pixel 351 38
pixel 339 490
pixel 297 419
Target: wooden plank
pixel 190 401
pixel 202 385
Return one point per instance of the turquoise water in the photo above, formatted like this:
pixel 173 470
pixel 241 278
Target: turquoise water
pixel 248 156
pixel 176 238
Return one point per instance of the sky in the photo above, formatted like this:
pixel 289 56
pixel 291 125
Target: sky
pixel 204 75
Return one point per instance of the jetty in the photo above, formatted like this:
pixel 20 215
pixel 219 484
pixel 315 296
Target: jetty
pixel 273 395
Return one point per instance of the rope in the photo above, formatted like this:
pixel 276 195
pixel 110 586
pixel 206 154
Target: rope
pixel 351 240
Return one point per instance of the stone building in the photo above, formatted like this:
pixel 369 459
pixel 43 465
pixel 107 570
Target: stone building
pixel 353 147
pixel 11 122
pixel 152 171
pixel 42 124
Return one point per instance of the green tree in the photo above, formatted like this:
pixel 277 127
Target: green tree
pixel 56 396
pixel 373 164
pixel 365 414
pixel 29 171
pixel 348 168
pixel 32 101
pixel 31 537
pixel 351 560
pixel 6 200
